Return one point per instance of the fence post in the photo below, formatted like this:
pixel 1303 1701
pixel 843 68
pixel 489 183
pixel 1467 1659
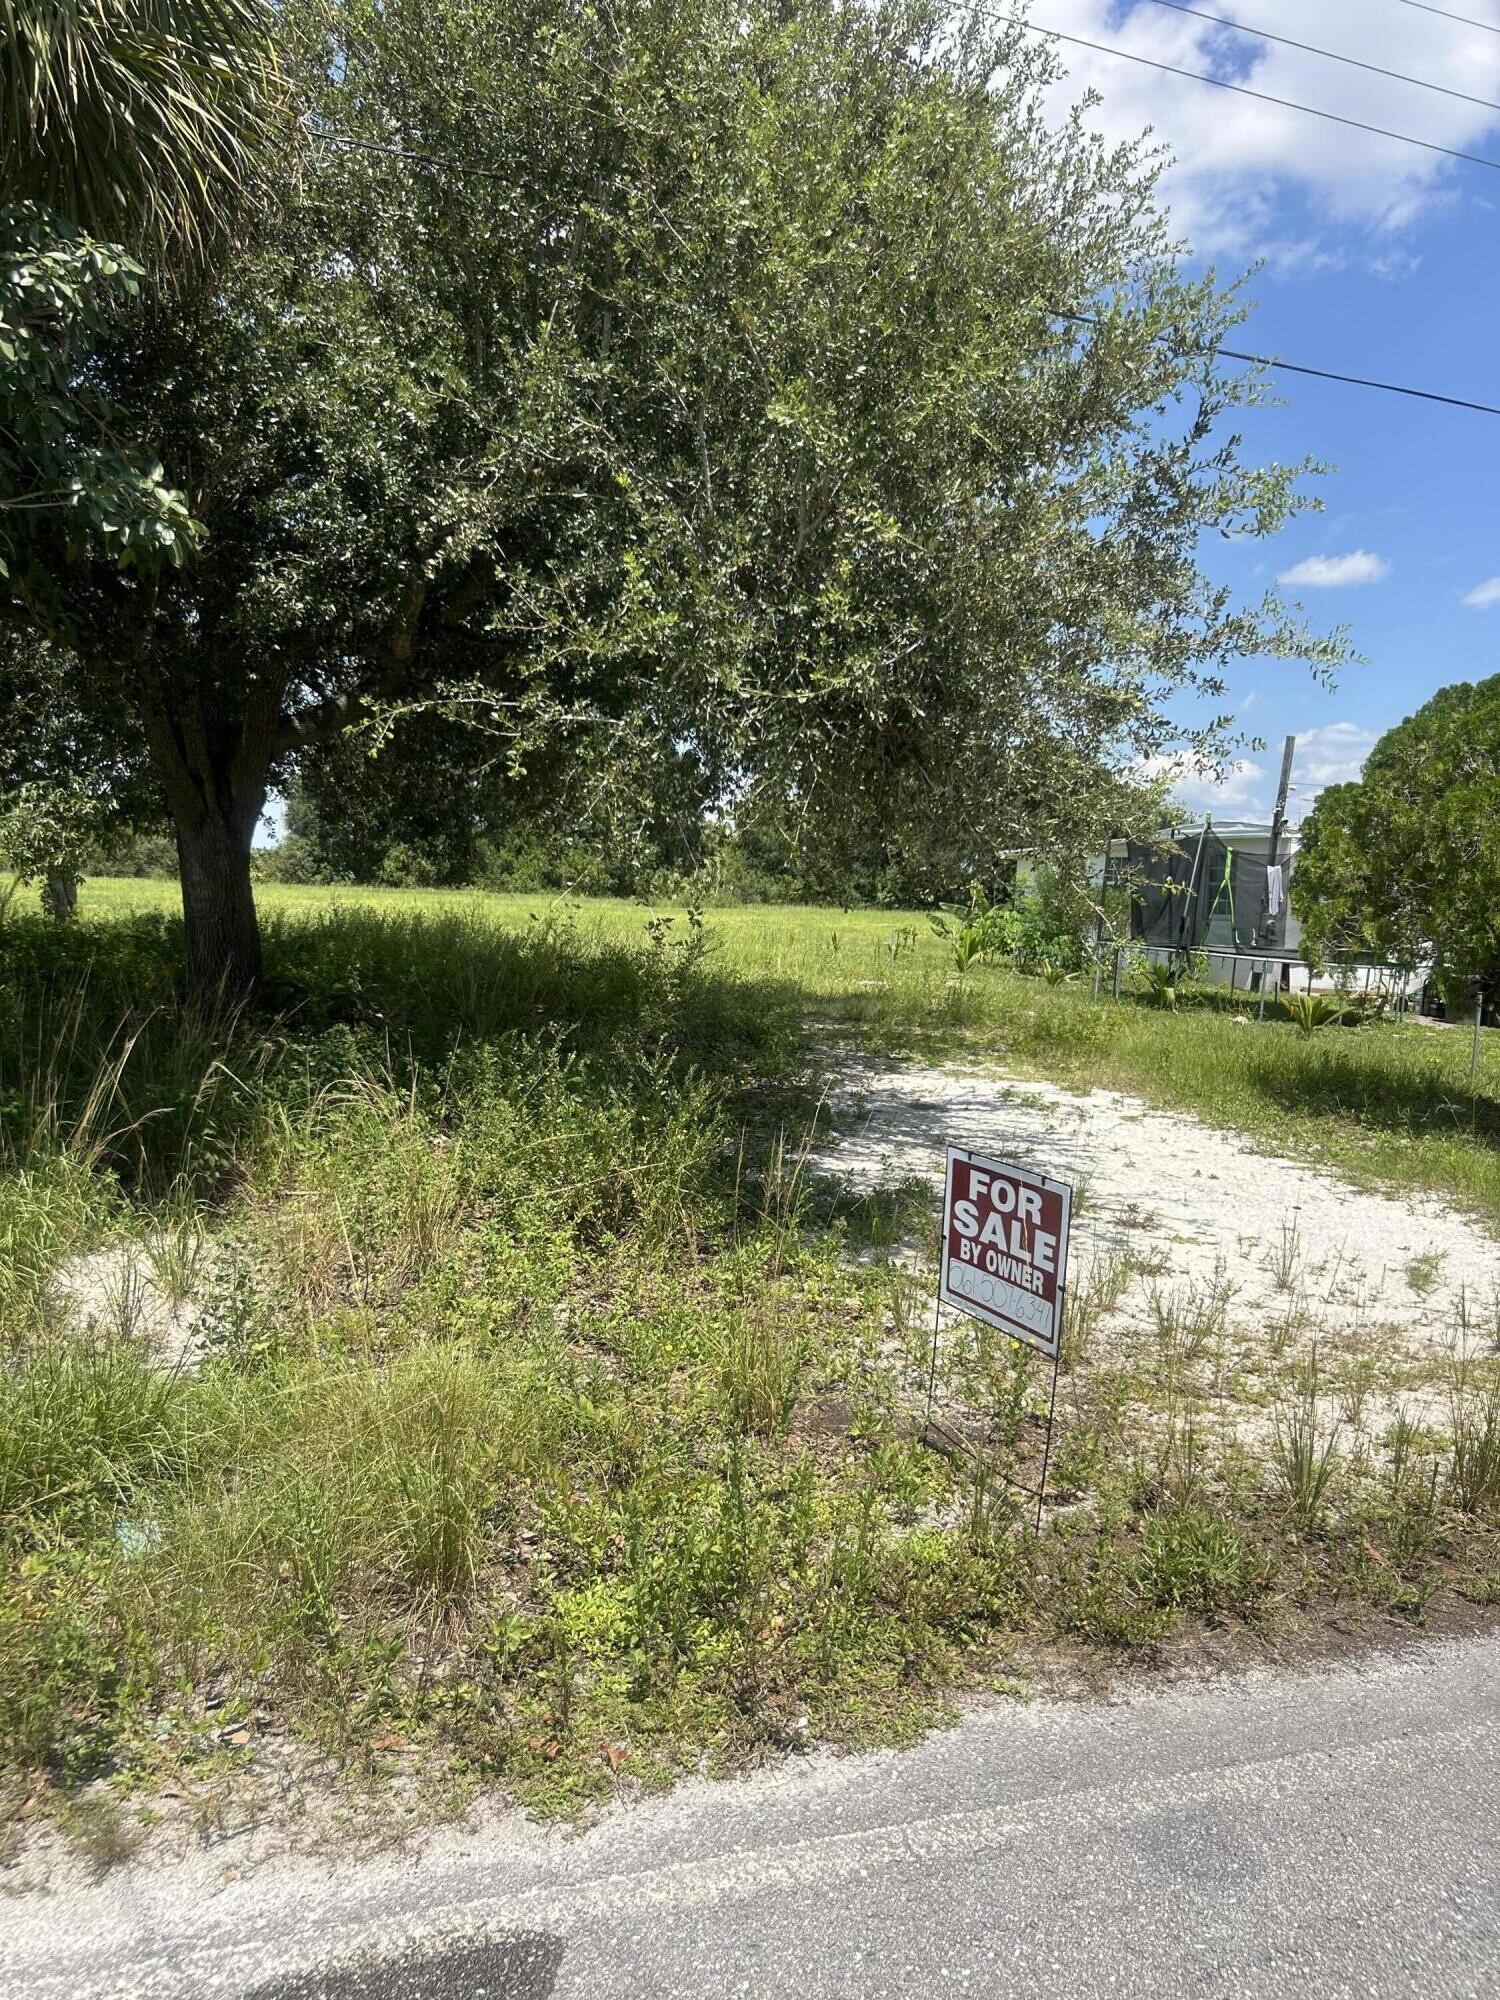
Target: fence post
pixel 1117 972
pixel 1260 1012
pixel 1098 971
pixel 1478 1020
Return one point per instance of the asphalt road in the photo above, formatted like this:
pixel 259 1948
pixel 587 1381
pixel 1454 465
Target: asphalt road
pixel 1334 1834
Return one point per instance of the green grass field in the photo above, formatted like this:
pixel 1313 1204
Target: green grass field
pixel 1391 1106
pixel 537 1417
pixel 825 952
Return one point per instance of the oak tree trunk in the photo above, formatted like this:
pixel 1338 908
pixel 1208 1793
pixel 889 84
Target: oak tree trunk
pixel 213 771
pixel 221 931
pixel 60 895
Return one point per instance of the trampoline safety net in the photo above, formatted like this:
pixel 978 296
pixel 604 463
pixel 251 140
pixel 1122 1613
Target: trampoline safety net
pixel 1202 895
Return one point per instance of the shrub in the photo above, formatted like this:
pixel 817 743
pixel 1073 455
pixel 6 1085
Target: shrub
pixel 1040 927
pixel 1310 1011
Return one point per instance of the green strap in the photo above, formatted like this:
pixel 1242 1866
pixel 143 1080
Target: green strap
pixel 1226 882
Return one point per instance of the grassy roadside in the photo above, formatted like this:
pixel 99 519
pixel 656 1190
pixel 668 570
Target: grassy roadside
pixel 538 1423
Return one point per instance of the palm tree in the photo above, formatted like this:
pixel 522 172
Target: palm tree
pixel 145 122
pixel 152 125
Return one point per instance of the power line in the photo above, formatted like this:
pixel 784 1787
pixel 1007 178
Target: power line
pixel 1244 90
pixel 1302 368
pixel 1465 20
pixel 1149 62
pixel 1328 55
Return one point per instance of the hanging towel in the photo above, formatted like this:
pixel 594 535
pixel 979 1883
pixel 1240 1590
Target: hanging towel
pixel 1274 890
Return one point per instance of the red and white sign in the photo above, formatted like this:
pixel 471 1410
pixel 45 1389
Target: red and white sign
pixel 1005 1247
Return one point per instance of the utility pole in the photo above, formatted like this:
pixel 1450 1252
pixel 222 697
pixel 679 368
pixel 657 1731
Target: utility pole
pixel 1278 818
pixel 1275 927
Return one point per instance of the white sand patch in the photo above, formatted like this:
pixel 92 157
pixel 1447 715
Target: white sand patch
pixel 1201 1213
pixel 119 1292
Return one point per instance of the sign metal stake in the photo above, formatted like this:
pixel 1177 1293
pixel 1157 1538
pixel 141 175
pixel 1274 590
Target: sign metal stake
pixel 937 1316
pixel 1041 1491
pixel 1003 1260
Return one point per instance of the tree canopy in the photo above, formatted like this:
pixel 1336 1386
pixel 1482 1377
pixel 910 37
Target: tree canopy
pixel 68 487
pixel 686 382
pixel 130 132
pixel 1404 864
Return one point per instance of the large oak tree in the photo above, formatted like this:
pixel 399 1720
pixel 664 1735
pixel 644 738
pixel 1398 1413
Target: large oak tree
pixel 693 379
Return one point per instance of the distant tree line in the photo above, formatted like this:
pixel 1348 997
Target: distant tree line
pixel 1404 863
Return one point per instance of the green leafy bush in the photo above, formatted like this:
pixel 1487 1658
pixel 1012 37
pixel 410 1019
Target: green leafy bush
pixel 1041 927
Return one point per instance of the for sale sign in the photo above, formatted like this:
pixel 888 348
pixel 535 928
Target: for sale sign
pixel 1005 1247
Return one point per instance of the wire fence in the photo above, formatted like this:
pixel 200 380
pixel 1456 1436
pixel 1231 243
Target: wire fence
pixel 1262 974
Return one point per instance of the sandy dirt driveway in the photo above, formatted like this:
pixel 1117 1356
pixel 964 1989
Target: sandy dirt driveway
pixel 1192 1211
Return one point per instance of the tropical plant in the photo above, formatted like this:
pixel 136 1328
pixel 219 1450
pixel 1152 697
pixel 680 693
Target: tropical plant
pixel 1162 979
pixel 143 122
pixel 1310 1011
pixel 972 930
pixel 966 947
pixel 132 134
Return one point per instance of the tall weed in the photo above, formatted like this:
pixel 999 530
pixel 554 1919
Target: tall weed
pixel 1305 1453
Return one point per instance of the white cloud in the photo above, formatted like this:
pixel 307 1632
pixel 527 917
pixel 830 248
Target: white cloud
pixel 1483 595
pixel 1234 792
pixel 1236 158
pixel 1331 755
pixel 1335 572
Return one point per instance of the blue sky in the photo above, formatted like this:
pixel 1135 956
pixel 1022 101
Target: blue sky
pixel 1378 259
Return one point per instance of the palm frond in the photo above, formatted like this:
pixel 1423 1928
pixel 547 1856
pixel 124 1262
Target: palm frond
pixel 148 122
